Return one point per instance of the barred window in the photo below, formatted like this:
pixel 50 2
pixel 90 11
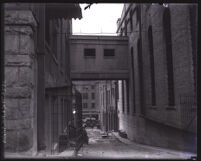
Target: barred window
pixel 90 52
pixel 109 53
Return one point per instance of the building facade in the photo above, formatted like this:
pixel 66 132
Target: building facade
pixel 108 105
pixel 90 95
pixel 98 57
pixel 162 108
pixel 37 79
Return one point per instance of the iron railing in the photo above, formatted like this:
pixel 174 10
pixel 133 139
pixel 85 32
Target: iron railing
pixel 188 104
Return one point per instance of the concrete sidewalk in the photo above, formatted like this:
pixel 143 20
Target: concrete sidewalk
pixel 68 153
pixel 162 150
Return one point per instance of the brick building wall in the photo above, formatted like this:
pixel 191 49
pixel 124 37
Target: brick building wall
pixel 157 118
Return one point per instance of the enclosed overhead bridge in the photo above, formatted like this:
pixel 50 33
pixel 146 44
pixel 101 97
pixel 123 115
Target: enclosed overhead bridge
pixel 98 57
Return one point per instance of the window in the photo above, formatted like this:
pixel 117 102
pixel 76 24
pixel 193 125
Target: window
pixel 112 92
pixel 140 70
pixel 109 52
pixel 85 105
pixel 133 76
pixel 109 97
pixel 92 95
pixel 117 90
pixel 123 106
pixel 91 53
pixel 125 28
pixel 54 40
pixel 85 95
pixel 127 96
pixel 92 105
pixel 151 55
pixel 131 20
pixel 168 48
pixel 92 87
pixel 47 30
pixel 137 14
pixel 121 32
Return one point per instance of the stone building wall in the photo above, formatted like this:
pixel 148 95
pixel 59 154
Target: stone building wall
pixel 20 71
pixel 37 84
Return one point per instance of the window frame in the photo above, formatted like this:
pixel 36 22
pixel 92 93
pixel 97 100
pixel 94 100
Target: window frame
pixel 93 52
pixel 106 51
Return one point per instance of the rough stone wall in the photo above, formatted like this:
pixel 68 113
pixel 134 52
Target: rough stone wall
pixel 20 83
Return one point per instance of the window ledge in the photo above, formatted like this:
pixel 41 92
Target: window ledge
pixel 89 57
pixel 153 108
pixel 170 108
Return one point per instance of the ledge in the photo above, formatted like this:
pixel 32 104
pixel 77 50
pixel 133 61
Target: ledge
pixel 153 108
pixel 170 108
pixel 17 17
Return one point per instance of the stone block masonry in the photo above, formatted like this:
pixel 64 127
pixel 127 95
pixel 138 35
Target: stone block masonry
pixel 20 89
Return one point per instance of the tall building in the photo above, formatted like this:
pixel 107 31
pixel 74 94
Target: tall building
pixel 162 106
pixel 37 78
pixel 90 96
pixel 108 105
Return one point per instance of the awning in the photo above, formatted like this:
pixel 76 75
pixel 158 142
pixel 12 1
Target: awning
pixel 63 10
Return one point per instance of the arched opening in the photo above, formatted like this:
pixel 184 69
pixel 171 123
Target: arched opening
pixel 151 55
pixel 168 50
pixel 140 70
pixel 133 78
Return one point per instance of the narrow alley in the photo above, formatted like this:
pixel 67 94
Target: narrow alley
pixel 115 147
pixel 80 81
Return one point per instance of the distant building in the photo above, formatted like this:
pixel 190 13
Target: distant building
pixel 162 103
pixel 108 105
pixel 90 96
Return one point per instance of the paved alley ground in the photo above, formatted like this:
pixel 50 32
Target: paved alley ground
pixel 112 147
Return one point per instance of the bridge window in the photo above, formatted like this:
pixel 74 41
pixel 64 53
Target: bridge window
pixel 90 53
pixel 109 53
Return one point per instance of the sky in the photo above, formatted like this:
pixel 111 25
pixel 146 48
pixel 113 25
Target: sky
pixel 99 19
